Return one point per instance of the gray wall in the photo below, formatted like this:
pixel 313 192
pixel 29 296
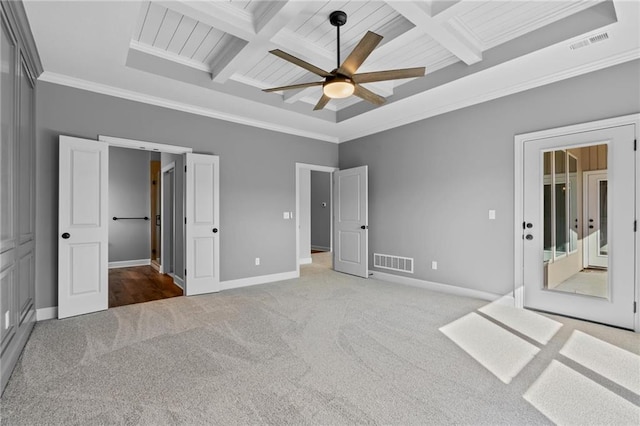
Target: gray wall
pixel 167 159
pixel 257 175
pixel 320 216
pixel 431 183
pixel 129 197
pixel 304 180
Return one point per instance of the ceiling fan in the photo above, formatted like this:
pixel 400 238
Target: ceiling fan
pixel 343 81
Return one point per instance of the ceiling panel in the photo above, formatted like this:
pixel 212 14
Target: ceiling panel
pixel 151 24
pixel 167 29
pixel 494 23
pixel 196 39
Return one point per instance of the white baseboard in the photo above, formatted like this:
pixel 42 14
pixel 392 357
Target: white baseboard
pixel 321 248
pixel 44 314
pixel 306 260
pixel 178 281
pixel 129 263
pixel 443 288
pixel 262 279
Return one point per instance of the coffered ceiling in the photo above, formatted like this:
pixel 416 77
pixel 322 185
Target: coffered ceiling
pixel 211 57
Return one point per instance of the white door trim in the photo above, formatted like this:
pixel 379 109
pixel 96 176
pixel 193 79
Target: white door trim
pixel 318 168
pixel 518 250
pixel 144 145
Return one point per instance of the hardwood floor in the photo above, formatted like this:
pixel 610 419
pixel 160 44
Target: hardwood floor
pixel 139 284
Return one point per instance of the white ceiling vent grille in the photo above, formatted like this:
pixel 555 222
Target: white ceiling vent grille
pixel 589 40
pixel 395 263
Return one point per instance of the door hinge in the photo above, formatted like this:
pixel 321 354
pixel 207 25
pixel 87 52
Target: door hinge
pixel 185 169
pixel 185 272
pixel 634 307
pixel 185 220
pixel 635 225
pixel 635 144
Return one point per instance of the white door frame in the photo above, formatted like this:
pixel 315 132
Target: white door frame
pixel 318 168
pixel 170 166
pixel 153 147
pixel 518 249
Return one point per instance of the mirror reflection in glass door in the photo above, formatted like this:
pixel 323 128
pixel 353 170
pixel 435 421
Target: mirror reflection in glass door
pixel 574 193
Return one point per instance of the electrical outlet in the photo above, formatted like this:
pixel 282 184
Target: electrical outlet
pixel 434 265
pixel 492 214
pixel 285 215
pixel 257 261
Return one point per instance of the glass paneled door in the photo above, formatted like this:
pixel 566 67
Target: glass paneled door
pixel 565 221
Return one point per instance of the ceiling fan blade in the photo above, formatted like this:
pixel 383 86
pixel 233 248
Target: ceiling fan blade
pixel 299 62
pixel 361 52
pixel 368 95
pixel 324 100
pixel 370 77
pixel 294 86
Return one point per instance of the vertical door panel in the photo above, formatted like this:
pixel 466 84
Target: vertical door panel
pixel 26 192
pixel 7 139
pixel 351 254
pixel 82 257
pixel 617 307
pixel 203 220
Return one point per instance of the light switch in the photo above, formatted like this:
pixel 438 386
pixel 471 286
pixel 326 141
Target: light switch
pixel 285 215
pixel 492 214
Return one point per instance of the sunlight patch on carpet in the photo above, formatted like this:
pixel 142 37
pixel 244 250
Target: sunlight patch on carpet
pixel 567 397
pixel 614 363
pixel 499 351
pixel 533 325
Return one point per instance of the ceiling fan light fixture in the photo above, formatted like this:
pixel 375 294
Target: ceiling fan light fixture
pixel 338 88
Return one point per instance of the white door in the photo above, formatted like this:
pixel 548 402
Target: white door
pixel 202 212
pixel 616 306
pixel 82 227
pixel 351 253
pixel 596 219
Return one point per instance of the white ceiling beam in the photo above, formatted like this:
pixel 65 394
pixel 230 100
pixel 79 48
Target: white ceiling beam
pixel 278 16
pixel 219 15
pixel 457 44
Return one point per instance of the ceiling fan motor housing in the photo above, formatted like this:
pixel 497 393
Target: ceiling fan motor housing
pixel 338 18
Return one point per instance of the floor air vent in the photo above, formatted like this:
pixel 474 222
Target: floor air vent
pixel 395 263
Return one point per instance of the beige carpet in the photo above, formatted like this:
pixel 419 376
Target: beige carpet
pixel 327 348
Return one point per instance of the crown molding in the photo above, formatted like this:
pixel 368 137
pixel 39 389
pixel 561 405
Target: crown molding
pixel 15 12
pixel 104 89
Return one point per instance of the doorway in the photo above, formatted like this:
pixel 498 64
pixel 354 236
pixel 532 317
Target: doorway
pixel 141 234
pixel 577 236
pixel 84 221
pixel 314 219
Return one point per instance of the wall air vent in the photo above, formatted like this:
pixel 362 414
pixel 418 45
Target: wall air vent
pixel 589 40
pixel 394 263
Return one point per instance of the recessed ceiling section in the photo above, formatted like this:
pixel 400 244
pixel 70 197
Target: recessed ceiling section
pixel 224 46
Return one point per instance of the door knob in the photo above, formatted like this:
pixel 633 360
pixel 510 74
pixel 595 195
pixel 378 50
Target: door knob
pixel 529 225
pixel 363 227
pixel 66 235
pixel 590 226
pixel 529 237
pixel 215 230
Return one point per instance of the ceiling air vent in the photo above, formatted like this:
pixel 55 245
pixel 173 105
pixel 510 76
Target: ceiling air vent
pixel 589 40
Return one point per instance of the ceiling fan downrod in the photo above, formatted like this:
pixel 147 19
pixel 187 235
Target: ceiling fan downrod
pixel 338 18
